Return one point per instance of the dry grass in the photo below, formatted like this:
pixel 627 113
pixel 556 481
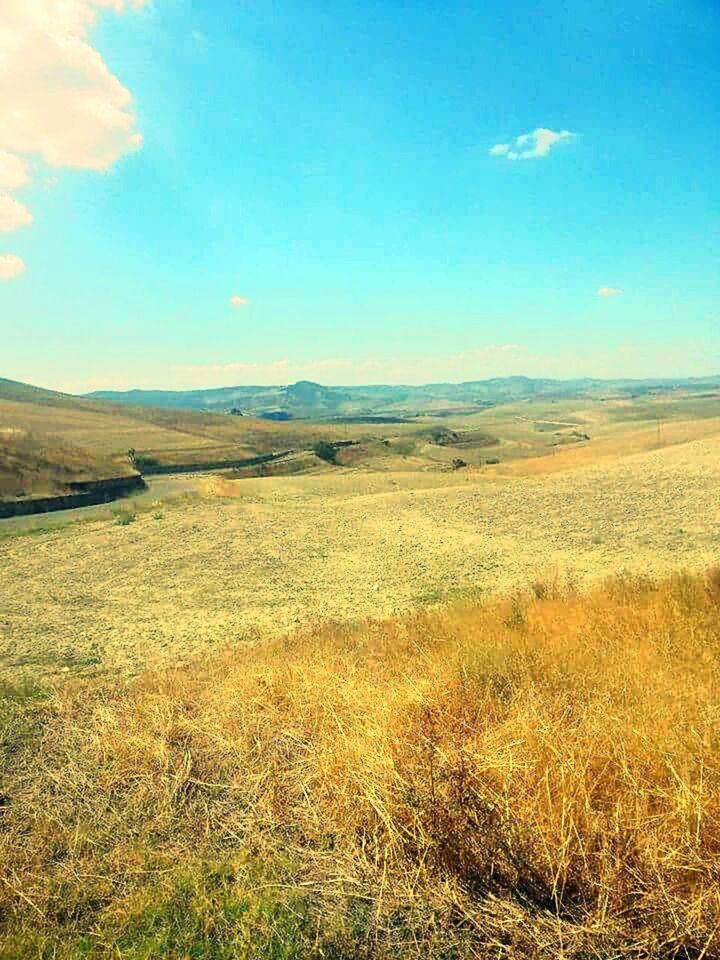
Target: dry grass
pixel 34 464
pixel 614 445
pixel 339 546
pixel 534 778
pixel 170 436
pixel 523 430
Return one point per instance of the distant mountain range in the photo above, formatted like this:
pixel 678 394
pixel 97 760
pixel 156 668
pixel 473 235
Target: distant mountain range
pixel 306 399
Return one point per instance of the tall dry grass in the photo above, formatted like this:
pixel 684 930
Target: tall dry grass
pixel 535 778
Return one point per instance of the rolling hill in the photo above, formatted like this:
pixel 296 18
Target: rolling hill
pixel 49 439
pixel 314 400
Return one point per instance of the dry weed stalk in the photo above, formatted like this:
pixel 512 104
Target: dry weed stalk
pixel 454 783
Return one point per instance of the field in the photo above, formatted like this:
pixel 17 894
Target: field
pixel 384 708
pixel 269 555
pixel 48 439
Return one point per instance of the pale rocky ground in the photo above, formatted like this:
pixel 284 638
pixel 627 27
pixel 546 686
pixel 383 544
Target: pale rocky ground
pixel 341 545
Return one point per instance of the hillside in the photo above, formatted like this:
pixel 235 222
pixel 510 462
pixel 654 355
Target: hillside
pixel 39 456
pixel 38 465
pixel 93 437
pixel 307 399
pixel 26 393
pixel 254 557
pixel 99 431
pixel 379 711
pixel 313 764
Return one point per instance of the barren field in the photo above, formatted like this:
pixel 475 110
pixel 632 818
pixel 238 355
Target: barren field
pixel 267 555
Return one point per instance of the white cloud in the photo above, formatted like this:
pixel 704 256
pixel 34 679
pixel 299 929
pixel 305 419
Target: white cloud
pixel 58 98
pixel 11 266
pixel 13 171
pixel 237 301
pixel 609 292
pixel 528 146
pixel 13 214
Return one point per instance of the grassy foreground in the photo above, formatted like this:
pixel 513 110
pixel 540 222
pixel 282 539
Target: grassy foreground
pixel 535 778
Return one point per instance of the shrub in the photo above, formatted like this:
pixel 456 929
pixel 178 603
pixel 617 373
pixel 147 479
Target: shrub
pixel 405 446
pixel 325 451
pixel 143 461
pixel 122 518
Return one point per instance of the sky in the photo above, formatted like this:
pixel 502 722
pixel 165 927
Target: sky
pixel 199 193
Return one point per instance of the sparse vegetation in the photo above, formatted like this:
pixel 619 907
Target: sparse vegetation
pixel 404 446
pixel 123 518
pixel 103 435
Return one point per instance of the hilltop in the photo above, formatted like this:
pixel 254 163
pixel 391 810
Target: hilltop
pixel 308 399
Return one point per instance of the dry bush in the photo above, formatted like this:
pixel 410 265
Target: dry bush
pixel 456 783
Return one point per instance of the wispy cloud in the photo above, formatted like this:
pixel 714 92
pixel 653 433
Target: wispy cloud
pixel 199 41
pixel 483 361
pixel 58 98
pixel 608 292
pixel 529 146
pixel 11 266
pixel 619 359
pixel 237 301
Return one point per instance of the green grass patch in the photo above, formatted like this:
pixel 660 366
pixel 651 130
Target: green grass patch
pixel 123 518
pixel 208 912
pixel 22 715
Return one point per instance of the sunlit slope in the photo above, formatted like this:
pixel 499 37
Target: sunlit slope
pixel 288 551
pixel 510 431
pixel 38 456
pixel 168 436
pixel 38 465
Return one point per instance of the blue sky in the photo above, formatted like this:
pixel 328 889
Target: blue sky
pixel 331 164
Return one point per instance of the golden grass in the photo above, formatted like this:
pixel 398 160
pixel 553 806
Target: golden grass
pixel 34 464
pixel 539 777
